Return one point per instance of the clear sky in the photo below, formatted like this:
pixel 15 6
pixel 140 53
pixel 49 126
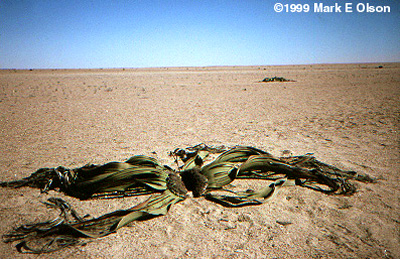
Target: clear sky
pixel 117 33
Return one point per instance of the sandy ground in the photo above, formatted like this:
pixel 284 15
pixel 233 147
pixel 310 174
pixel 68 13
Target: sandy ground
pixel 347 115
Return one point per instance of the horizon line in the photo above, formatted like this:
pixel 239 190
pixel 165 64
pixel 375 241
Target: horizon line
pixel 209 66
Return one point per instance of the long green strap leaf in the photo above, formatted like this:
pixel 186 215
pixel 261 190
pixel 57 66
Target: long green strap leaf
pixel 219 174
pixel 248 198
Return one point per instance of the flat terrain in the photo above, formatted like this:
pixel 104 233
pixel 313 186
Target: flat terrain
pixel 347 115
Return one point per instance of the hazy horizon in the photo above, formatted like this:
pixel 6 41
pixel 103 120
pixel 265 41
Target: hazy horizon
pixel 212 66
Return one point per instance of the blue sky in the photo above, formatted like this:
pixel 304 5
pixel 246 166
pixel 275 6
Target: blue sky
pixel 108 34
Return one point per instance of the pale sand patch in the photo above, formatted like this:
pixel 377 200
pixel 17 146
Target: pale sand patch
pixel 347 115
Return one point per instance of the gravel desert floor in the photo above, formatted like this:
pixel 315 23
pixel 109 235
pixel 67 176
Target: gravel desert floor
pixel 347 115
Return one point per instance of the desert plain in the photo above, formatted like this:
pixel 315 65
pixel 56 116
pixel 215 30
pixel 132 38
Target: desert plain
pixel 347 115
